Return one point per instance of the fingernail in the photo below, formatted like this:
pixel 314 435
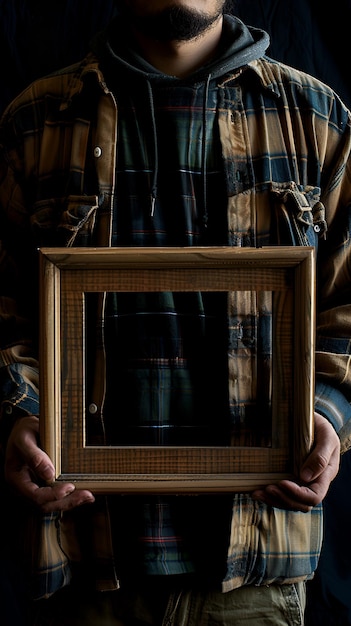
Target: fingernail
pixel 47 474
pixel 306 475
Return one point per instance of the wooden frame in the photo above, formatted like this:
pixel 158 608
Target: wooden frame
pixel 66 275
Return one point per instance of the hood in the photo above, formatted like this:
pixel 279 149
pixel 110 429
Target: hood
pixel 240 45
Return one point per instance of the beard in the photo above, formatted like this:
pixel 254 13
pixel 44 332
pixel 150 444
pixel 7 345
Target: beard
pixel 173 23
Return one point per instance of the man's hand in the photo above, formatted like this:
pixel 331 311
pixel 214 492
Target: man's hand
pixel 318 471
pixel 29 471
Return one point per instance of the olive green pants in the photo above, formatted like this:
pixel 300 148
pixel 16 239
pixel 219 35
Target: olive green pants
pixel 159 605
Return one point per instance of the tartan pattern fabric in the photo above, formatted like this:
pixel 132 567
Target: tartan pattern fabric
pixel 166 352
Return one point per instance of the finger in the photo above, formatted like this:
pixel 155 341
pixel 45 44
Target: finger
pixel 22 451
pixel 325 455
pixel 289 494
pixel 297 497
pixel 278 498
pixel 40 464
pixel 320 461
pixel 56 497
pixel 36 465
pixel 63 500
pixel 32 454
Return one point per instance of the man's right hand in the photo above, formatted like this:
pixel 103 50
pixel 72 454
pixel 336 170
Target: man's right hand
pixel 29 471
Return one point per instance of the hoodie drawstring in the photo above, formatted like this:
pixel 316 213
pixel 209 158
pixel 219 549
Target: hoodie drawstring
pixel 153 190
pixel 204 152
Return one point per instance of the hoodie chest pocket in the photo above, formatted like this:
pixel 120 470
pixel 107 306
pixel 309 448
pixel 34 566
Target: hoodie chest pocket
pixel 65 221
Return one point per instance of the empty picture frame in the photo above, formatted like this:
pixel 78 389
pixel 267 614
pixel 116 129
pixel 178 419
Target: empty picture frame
pixel 67 276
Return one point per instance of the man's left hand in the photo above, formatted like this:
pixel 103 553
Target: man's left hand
pixel 317 472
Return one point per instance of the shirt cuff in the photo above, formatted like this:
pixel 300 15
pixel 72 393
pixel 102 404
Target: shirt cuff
pixel 333 405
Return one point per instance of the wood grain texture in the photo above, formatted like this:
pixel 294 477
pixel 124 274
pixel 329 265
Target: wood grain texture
pixel 66 275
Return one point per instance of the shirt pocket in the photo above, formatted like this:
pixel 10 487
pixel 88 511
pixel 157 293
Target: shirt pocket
pixel 65 221
pixel 299 214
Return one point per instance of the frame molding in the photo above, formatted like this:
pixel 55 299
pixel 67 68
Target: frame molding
pixel 66 274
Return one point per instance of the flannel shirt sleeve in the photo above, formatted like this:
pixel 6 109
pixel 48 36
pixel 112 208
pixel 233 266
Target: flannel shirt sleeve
pixel 333 337
pixel 18 296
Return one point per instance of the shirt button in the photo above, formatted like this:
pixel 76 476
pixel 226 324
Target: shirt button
pixel 92 408
pixel 97 152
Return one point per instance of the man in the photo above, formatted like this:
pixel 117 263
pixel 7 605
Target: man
pixel 175 131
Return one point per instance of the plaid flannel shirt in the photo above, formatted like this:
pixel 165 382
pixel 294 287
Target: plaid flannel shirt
pixel 286 154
